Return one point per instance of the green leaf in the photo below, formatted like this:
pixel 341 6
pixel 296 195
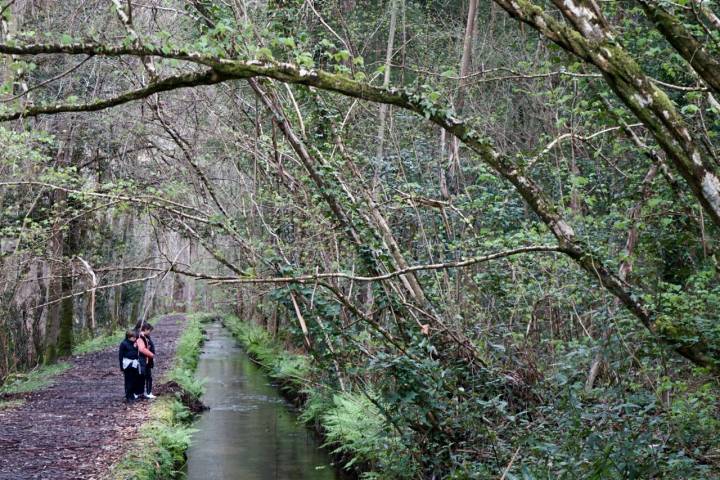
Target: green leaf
pixel 264 53
pixel 689 109
pixel 654 202
pixel 305 59
pixel 287 42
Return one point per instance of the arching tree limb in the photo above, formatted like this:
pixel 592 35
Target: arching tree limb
pixel 694 52
pixel 704 183
pixel 207 77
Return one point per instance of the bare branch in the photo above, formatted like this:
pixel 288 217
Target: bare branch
pixel 565 136
pixel 49 80
pixel 415 268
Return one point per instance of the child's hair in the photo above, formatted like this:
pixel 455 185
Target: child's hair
pixel 144 326
pixel 130 333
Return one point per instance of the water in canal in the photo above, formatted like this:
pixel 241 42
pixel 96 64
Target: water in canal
pixel 249 433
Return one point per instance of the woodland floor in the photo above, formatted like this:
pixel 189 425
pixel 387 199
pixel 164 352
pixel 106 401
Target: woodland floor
pixel 80 426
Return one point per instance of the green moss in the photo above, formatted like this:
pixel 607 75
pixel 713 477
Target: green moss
pixel 677 331
pixel 33 380
pixel 666 328
pixel 65 337
pixel 50 354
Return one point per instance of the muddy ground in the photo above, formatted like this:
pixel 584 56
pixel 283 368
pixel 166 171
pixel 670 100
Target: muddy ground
pixel 80 426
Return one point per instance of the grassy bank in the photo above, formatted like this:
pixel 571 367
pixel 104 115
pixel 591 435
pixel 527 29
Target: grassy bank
pixel 42 376
pixel 26 382
pixel 350 422
pixel 101 342
pixel 33 380
pixel 291 371
pixel 159 452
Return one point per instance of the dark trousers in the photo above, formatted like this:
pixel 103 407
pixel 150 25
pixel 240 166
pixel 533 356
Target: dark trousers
pixel 131 381
pixel 148 379
pixel 139 387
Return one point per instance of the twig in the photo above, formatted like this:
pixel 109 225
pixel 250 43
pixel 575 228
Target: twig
pixel 49 80
pixel 512 460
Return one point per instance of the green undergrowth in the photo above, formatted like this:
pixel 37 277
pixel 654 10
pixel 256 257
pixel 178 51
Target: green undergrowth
pixel 350 422
pixel 357 432
pixel 101 342
pixel 159 452
pixel 33 380
pixel 291 370
pixel 10 404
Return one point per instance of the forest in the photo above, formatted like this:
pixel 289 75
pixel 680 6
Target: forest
pixel 488 230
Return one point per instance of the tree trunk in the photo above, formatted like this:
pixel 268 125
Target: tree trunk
pixel 386 81
pixel 454 167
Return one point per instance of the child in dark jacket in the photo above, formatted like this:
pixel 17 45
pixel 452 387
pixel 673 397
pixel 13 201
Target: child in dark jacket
pixel 128 356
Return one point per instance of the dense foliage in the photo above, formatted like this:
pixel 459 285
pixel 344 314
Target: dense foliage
pixel 496 223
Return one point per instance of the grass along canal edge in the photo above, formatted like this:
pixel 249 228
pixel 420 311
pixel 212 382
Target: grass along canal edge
pixel 159 451
pixel 350 422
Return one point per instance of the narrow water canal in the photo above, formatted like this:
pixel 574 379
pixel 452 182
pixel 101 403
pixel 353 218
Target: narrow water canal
pixel 249 433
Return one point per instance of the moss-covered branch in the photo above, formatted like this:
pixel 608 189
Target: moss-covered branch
pixel 92 48
pixel 592 42
pixel 415 268
pixel 624 75
pixel 694 52
pixel 207 77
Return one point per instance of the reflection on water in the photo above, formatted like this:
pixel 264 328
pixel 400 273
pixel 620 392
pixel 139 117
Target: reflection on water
pixel 248 433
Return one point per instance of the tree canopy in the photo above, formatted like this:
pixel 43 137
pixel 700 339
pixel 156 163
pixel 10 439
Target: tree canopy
pixel 496 221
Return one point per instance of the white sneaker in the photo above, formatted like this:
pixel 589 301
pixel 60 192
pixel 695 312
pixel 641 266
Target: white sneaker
pixel 149 395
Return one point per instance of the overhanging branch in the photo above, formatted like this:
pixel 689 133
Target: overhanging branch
pixel 413 100
pixel 404 271
pixel 314 278
pixel 207 77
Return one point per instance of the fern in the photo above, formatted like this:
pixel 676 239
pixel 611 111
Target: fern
pixel 353 425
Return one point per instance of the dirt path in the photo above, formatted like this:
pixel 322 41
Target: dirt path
pixel 80 426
